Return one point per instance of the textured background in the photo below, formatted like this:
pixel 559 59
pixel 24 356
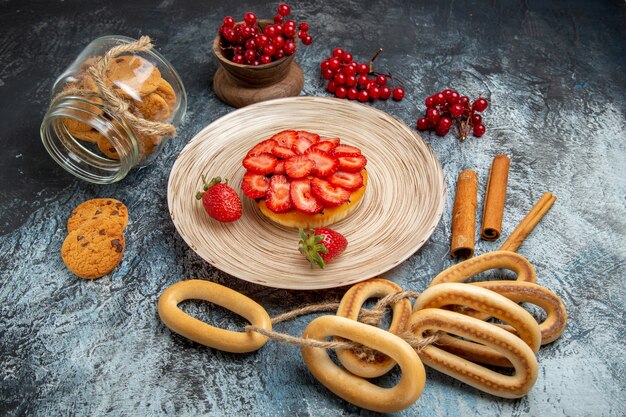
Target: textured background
pixel 555 74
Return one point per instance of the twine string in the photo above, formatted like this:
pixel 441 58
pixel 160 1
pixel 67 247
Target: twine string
pixel 112 101
pixel 372 317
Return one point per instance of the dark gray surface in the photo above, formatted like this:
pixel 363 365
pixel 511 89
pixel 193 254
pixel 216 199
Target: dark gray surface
pixel 555 74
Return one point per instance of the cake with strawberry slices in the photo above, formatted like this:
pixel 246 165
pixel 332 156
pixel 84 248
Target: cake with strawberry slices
pixel 299 179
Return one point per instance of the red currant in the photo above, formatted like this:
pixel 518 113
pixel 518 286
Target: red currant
pixel 338 52
pixel 433 115
pixel 398 93
pixel 278 41
pixel 381 80
pixel 279 29
pixel 464 101
pixel 430 102
pixel 341 92
pixel 327 74
pixel 229 34
pixel 477 119
pixel 280 53
pixel 446 93
pixel 278 18
pixel 385 92
pixel 334 64
pixel 304 26
pixel 307 40
pixel 362 80
pixel 266 59
pixel 353 93
pixel 349 69
pixel 439 98
pixel 346 57
pixel 422 123
pixel 290 48
pixel 456 110
pixel 270 31
pixel 363 96
pixel 229 22
pixel 453 98
pixel 238 59
pixel 444 123
pixel 269 50
pixel 479 130
pixel 249 18
pixel 442 131
pixel 250 55
pixel 373 91
pixel 351 80
pixel 250 43
pixel 331 87
pixel 339 78
pixel 284 9
pixel 289 31
pixel 480 105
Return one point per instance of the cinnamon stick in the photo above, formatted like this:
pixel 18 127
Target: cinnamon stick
pixel 528 224
pixel 464 215
pixel 495 197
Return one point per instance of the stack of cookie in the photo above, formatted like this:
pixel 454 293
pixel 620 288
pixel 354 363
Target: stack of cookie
pixel 95 242
pixel 138 81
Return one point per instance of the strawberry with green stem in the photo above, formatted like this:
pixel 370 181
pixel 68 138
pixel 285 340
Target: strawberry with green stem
pixel 321 245
pixel 219 200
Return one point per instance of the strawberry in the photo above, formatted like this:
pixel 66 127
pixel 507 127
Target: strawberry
pixel 352 163
pixel 324 145
pixel 325 163
pixel 327 193
pixel 286 138
pixel 301 197
pixel 334 140
pixel 262 163
pixel 279 169
pixel 313 137
pixel 282 152
pixel 255 185
pixel 263 147
pixel 321 245
pixel 219 200
pixel 346 150
pixel 277 197
pixel 349 180
pixel 301 145
pixel 298 166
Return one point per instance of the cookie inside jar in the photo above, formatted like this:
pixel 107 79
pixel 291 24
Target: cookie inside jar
pixel 112 109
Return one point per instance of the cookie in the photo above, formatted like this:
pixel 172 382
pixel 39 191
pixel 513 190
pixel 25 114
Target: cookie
pixel 133 76
pixel 107 148
pixel 153 107
pixel 94 249
pixel 147 144
pixel 97 209
pixel 91 136
pixel 74 126
pixel 166 91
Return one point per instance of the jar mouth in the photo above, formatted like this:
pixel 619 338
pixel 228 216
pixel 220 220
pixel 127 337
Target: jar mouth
pixel 81 153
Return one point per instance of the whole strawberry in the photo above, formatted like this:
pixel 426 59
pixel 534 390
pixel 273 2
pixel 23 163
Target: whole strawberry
pixel 219 200
pixel 321 245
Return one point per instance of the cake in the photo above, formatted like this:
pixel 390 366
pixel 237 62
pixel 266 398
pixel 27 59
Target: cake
pixel 299 179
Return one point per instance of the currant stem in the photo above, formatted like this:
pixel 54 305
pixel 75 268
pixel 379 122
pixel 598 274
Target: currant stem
pixel 374 58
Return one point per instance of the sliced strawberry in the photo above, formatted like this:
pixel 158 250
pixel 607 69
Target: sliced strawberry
pixel 352 163
pixel 301 145
pixel 286 138
pixel 348 180
pixel 263 147
pixel 346 150
pixel 262 163
pixel 324 145
pixel 255 185
pixel 277 197
pixel 298 166
pixel 313 137
pixel 328 194
pixel 301 197
pixel 279 169
pixel 282 152
pixel 325 163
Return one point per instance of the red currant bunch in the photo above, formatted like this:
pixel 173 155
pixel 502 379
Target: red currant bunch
pixel 446 107
pixel 357 81
pixel 249 43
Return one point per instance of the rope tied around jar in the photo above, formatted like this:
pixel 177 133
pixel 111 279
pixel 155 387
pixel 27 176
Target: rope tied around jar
pixel 372 317
pixel 112 101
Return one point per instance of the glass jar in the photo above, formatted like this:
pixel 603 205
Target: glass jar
pixel 91 139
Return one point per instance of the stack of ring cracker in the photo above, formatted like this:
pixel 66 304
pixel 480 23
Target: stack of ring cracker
pixel 95 242
pixel 445 329
pixel 140 83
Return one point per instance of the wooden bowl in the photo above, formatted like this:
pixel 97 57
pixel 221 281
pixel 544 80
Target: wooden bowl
pixel 240 85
